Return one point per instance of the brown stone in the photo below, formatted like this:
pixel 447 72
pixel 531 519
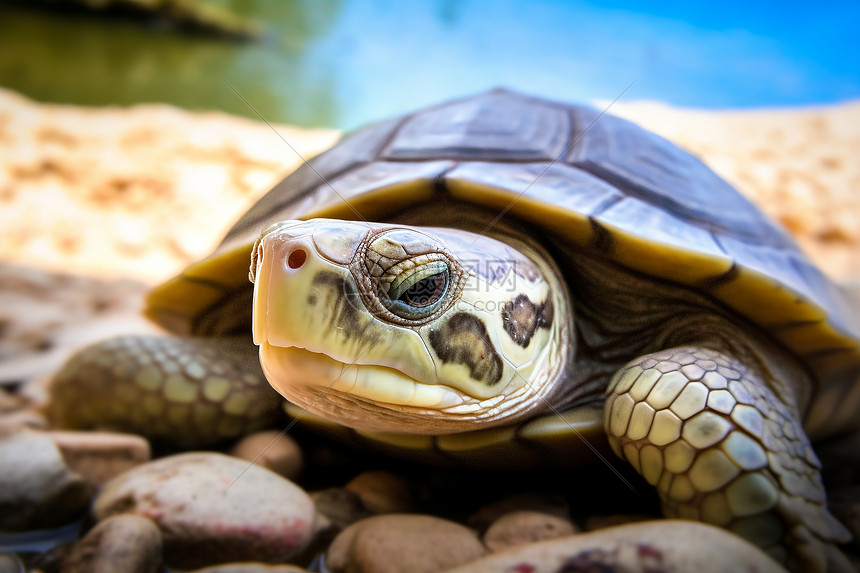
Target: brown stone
pixel 524 527
pixel 272 450
pixel 382 492
pixel 100 456
pixel 540 502
pixel 398 543
pixel 250 567
pixel 121 544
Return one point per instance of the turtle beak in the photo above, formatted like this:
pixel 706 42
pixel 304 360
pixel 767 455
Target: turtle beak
pixel 289 260
pixel 282 277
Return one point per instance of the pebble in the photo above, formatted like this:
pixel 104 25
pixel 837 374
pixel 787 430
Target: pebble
pixel 100 456
pixel 340 507
pixel 250 567
pixel 398 543
pixel 37 490
pixel 126 543
pixel 212 508
pixel 529 501
pixel 272 450
pixel 524 527
pixel 10 563
pixel 664 545
pixel 382 491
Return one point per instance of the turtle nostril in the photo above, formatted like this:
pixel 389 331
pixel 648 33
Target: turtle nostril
pixel 297 258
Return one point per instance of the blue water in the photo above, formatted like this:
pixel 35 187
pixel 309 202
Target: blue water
pixel 343 63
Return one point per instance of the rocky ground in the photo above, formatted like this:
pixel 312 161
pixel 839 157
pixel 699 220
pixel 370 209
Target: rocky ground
pixel 96 204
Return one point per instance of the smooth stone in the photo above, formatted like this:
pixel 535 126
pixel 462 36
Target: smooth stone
pixel 529 501
pixel 272 450
pixel 37 490
pixel 212 508
pixel 382 491
pixel 340 507
pixel 100 456
pixel 250 567
pixel 10 563
pixel 662 545
pixel 524 527
pixel 123 543
pixel 396 543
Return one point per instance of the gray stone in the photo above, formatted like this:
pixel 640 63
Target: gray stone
pixel 120 544
pixel 213 509
pixel 398 543
pixel 37 490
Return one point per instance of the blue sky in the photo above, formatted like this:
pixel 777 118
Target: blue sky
pixel 731 54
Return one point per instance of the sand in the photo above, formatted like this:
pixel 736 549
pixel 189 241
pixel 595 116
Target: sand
pixel 133 192
pixel 140 192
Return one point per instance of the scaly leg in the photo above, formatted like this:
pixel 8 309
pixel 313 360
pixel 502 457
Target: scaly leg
pixel 189 391
pixel 722 448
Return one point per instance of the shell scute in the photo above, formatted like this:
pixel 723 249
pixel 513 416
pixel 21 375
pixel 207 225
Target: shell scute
pixel 498 126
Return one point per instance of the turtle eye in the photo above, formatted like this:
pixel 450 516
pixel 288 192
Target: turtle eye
pixel 419 289
pixel 425 291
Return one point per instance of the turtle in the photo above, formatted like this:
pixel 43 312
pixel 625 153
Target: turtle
pixel 503 278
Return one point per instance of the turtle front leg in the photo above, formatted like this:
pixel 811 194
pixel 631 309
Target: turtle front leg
pixel 722 448
pixel 187 391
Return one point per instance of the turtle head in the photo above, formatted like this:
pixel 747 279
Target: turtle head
pixel 396 328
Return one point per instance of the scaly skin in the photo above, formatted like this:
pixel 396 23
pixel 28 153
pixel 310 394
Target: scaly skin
pixel 720 447
pixel 190 392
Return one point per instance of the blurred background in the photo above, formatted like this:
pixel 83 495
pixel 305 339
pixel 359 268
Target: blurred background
pixel 342 63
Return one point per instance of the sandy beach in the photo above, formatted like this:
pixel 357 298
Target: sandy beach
pixel 140 192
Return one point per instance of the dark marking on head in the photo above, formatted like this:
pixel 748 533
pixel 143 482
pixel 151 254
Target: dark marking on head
pixel 312 299
pixel 521 318
pixel 342 300
pixel 463 339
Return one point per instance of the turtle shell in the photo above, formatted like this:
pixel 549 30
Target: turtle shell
pixel 596 180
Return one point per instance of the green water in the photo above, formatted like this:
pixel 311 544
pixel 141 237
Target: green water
pixel 342 63
pixel 86 59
